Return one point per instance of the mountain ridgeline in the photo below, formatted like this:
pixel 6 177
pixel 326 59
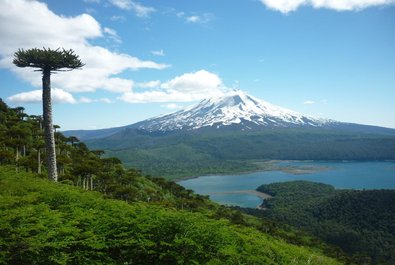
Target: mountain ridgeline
pixel 230 133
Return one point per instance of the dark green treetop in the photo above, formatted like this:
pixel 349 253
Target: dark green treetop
pixel 47 59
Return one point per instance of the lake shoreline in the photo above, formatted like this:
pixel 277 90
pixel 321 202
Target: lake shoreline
pixel 271 165
pixel 356 175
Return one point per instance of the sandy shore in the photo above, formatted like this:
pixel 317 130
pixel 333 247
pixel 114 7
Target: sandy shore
pixel 271 165
pixel 252 192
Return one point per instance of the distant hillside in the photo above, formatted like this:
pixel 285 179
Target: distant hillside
pixel 360 222
pixel 228 134
pixel 185 154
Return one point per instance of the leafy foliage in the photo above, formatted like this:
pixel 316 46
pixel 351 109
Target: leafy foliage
pixel 360 222
pixel 22 147
pixel 53 60
pixel 53 223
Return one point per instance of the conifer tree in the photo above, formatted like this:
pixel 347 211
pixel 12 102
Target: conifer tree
pixel 48 61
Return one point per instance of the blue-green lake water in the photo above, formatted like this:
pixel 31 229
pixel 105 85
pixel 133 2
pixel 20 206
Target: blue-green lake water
pixel 342 175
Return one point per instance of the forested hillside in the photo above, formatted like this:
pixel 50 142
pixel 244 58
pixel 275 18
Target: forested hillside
pixel 181 154
pixel 22 147
pixel 48 223
pixel 360 222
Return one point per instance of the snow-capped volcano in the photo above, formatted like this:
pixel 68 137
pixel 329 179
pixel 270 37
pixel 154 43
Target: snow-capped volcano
pixel 234 110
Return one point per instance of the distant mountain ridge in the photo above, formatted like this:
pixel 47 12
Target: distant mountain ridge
pixel 235 111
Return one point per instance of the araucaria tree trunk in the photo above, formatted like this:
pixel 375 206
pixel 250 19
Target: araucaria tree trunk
pixel 48 127
pixel 48 61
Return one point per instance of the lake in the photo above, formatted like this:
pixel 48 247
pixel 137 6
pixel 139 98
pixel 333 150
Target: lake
pixel 342 175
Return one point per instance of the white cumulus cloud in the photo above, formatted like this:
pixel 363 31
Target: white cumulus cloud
pixel 309 102
pixel 113 34
pixel 43 28
pixel 171 106
pixel 149 84
pixel 194 18
pixel 85 100
pixel 90 100
pixel 118 18
pixel 158 53
pixel 105 100
pixel 199 19
pixel 201 81
pixel 139 9
pixel 184 88
pixel 154 96
pixel 286 6
pixel 35 96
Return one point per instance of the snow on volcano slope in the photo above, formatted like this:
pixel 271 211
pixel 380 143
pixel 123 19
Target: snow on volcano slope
pixel 235 109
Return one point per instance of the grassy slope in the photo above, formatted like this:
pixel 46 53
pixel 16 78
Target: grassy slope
pixel 48 223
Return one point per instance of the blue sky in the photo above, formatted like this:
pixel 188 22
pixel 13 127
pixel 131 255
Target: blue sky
pixel 334 59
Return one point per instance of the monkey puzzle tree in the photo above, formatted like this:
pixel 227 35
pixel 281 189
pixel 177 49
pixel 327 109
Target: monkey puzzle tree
pixel 48 61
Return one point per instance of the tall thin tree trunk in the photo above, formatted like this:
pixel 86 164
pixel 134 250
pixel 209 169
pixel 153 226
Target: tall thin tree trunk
pixel 16 159
pixel 39 161
pixel 48 127
pixel 17 154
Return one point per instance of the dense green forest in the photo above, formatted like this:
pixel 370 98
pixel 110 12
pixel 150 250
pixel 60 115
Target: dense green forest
pixel 101 213
pixel 22 146
pixel 47 223
pixel 182 154
pixel 360 222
